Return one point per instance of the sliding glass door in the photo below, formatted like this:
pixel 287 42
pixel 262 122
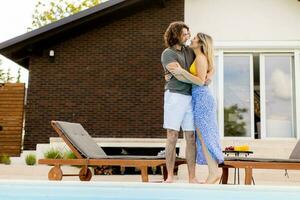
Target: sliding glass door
pixel 277 95
pixel 238 95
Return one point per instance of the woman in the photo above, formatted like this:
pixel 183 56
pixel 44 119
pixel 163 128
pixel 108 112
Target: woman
pixel 204 107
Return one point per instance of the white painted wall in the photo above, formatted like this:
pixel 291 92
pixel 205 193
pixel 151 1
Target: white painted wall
pixel 251 26
pixel 245 20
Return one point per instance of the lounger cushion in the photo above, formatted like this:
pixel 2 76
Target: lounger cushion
pixel 85 144
pixel 80 139
pixel 296 151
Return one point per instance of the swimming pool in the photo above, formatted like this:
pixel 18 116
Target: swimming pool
pixel 45 190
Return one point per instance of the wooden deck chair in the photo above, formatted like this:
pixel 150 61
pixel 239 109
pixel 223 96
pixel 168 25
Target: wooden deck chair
pixel 293 163
pixel 88 154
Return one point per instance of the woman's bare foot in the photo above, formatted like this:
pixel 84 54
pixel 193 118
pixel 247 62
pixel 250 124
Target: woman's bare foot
pixel 212 179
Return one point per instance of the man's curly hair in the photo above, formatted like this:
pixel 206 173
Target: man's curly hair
pixel 173 33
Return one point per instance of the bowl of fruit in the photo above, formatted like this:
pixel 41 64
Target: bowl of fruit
pixel 238 148
pixel 230 148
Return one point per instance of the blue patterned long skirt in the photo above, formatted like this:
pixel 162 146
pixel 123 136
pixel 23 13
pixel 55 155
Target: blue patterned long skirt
pixel 205 117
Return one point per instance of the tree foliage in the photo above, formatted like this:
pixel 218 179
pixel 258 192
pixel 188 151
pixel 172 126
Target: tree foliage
pixel 234 124
pixel 46 11
pixel 6 77
pixel 2 73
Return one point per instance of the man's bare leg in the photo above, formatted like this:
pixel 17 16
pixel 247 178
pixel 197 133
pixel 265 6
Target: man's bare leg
pixel 213 174
pixel 172 136
pixel 190 154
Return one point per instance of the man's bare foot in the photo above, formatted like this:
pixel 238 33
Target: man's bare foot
pixel 169 180
pixel 212 179
pixel 195 181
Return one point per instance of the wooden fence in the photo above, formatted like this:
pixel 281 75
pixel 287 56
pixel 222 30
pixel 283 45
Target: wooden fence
pixel 12 97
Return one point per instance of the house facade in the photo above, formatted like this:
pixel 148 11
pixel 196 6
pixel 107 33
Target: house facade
pixel 257 57
pixel 101 68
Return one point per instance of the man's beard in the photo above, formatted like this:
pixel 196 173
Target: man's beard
pixel 188 43
pixel 182 44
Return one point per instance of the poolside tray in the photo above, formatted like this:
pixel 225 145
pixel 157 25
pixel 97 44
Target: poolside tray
pixel 89 153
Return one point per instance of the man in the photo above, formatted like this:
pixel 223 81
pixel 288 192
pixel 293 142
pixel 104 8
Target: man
pixel 178 110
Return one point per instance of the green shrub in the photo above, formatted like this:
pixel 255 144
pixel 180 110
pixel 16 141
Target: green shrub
pixel 69 155
pixel 53 154
pixel 5 159
pixel 30 159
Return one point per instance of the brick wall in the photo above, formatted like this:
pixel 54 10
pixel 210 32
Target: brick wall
pixel 109 79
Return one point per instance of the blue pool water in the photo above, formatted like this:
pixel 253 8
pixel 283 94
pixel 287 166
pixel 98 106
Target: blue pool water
pixel 37 190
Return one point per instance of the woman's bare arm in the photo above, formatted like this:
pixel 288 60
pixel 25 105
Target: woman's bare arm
pixel 210 74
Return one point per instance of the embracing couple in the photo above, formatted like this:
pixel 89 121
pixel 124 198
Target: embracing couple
pixel 188 102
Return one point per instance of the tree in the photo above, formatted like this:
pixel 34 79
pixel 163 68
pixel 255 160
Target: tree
pixel 8 77
pixel 234 124
pixel 19 76
pixel 46 13
pixel 2 74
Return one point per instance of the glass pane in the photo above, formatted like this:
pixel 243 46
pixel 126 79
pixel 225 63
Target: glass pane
pixel 237 96
pixel 279 96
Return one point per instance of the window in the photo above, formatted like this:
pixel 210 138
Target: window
pixel 238 95
pixel 256 94
pixel 277 89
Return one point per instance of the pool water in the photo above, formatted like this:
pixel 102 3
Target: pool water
pixel 67 190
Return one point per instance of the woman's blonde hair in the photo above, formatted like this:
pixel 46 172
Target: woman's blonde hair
pixel 207 49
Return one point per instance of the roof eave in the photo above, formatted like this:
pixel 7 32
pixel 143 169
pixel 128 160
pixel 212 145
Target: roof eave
pixel 20 48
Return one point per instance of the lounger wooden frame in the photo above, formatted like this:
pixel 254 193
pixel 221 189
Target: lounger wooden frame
pixel 250 165
pixel 85 173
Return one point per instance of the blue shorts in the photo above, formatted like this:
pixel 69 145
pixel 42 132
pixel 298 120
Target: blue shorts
pixel 178 112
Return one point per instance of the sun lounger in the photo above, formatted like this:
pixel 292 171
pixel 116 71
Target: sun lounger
pixel 293 163
pixel 89 154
